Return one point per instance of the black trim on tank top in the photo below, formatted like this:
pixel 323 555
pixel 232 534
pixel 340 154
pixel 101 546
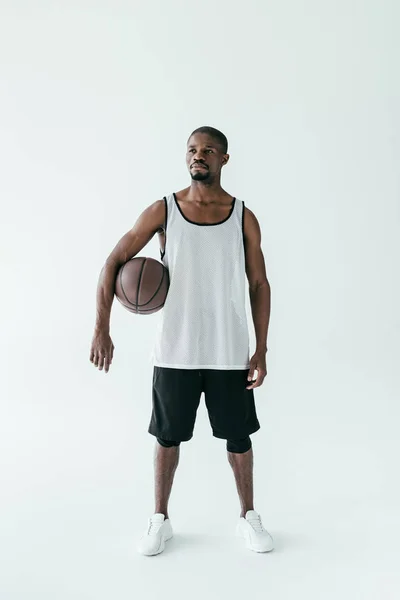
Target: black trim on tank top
pixel 162 252
pixel 205 224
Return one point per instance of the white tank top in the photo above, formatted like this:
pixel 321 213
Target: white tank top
pixel 203 323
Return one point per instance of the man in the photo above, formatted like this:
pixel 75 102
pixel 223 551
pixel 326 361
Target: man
pixel 210 240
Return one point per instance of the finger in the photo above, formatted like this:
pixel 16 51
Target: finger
pixel 106 364
pixel 101 363
pixel 251 373
pixel 252 380
pixel 258 382
pixel 96 359
pixel 91 355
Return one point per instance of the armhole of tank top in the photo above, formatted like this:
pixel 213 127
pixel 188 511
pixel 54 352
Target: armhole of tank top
pixel 165 228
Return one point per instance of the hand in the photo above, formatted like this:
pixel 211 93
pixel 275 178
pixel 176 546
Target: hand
pixel 257 362
pixel 102 350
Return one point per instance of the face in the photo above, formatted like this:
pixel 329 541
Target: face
pixel 204 157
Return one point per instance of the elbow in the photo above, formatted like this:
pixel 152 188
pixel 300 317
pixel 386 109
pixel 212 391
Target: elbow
pixel 260 285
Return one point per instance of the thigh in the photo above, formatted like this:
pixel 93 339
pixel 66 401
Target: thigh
pixel 230 405
pixel 176 397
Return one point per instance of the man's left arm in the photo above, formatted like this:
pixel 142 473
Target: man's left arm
pixel 260 295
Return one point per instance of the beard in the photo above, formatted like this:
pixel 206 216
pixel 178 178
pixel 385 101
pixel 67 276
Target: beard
pixel 199 175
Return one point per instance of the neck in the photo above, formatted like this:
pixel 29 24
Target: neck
pixel 205 192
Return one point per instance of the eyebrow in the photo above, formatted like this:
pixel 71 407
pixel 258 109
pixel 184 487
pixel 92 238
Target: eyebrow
pixel 207 146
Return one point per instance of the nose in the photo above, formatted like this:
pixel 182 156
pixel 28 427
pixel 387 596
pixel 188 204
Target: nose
pixel 198 156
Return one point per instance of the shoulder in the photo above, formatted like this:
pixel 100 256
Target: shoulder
pixel 155 213
pixel 251 226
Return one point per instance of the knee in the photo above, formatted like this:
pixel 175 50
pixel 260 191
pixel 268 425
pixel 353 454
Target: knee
pixel 239 446
pixel 167 443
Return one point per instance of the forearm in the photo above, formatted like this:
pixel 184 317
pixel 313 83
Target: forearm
pixel 105 295
pixel 260 300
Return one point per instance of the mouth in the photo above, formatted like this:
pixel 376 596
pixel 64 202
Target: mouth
pixel 198 166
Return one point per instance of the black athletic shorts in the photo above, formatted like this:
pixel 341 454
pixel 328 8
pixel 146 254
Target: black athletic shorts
pixel 176 398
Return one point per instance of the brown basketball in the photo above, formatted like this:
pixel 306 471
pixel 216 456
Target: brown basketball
pixel 142 285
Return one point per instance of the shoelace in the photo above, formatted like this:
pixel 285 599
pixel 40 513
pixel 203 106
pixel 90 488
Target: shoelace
pixel 256 524
pixel 154 527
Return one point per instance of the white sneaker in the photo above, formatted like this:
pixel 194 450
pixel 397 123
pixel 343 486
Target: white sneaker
pixel 157 533
pixel 251 529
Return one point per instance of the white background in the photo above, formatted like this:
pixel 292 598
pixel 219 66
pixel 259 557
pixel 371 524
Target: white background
pixel 97 102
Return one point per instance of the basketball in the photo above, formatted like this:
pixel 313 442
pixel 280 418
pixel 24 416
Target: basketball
pixel 142 285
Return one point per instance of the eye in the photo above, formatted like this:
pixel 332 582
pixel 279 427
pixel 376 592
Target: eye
pixel 209 150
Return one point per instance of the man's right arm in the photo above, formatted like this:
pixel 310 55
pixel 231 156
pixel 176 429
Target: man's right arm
pixel 148 223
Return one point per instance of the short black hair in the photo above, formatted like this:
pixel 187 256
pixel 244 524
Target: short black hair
pixel 217 135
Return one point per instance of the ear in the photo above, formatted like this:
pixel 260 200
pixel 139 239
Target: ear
pixel 225 159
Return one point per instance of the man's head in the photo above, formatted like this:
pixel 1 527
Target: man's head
pixel 206 154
